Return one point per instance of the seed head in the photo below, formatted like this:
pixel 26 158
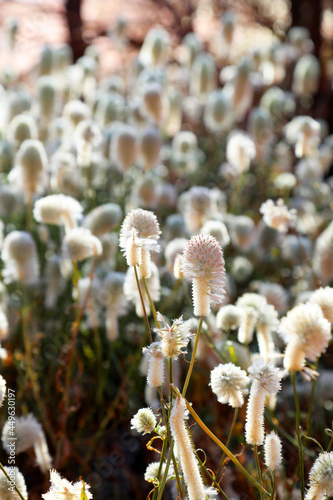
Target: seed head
pixel 173 338
pixel 144 421
pixel 229 383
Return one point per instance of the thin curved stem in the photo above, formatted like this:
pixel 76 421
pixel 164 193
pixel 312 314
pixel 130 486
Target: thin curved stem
pixel 256 455
pixel 151 303
pixel 313 387
pixel 143 304
pixel 298 435
pixel 228 441
pixel 189 373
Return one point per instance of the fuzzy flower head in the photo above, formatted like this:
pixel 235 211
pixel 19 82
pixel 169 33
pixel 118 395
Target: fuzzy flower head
pixel 324 298
pixel 241 151
pixel 155 375
pixel 321 473
pixel 19 254
pixel 277 216
pixel 144 421
pixel 58 209
pixel 267 376
pixel 27 431
pixel 203 262
pixel 151 474
pixel 61 489
pixel 306 332
pixel 19 481
pixel 174 338
pixel 229 383
pixel 2 389
pixel 273 448
pixel 146 230
pixel 79 244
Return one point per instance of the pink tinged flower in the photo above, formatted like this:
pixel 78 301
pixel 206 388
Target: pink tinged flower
pixel 188 461
pixel 306 332
pixel 273 449
pixel 203 262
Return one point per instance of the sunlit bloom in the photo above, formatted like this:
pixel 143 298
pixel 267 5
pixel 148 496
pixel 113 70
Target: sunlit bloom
pixel 273 451
pixel 138 237
pixel 152 472
pixel 197 206
pixel 203 263
pixel 155 374
pixel 240 151
pixel 19 254
pixel 277 216
pixel 80 244
pixel 149 147
pixel 61 489
pixel 306 332
pixel 174 338
pixel 124 147
pixel 58 209
pixel 321 477
pixel 265 380
pixel 6 490
pixel 324 298
pixel 144 421
pixel 229 383
pixel 188 461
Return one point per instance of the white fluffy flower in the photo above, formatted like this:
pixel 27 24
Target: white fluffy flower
pixel 58 209
pixel 273 448
pixel 229 383
pixel 79 244
pixel 321 477
pixel 19 254
pixel 174 338
pixel 324 298
pixel 61 489
pixel 240 151
pixel 19 481
pixel 144 421
pixel 277 216
pixel 152 472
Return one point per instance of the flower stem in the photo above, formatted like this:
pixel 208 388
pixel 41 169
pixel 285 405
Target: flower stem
pixel 256 455
pixel 189 373
pixel 274 486
pixel 151 303
pixel 313 387
pixel 143 304
pixel 298 435
pixel 227 452
pixel 228 441
pixel 211 477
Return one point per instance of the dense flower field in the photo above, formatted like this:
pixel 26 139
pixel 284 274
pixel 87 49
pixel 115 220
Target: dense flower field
pixel 166 301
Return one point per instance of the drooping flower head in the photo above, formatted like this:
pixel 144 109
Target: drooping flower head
pixel 203 263
pixel 58 209
pixel 174 338
pixel 63 489
pixel 229 383
pixel 306 332
pixel 80 244
pixel 19 254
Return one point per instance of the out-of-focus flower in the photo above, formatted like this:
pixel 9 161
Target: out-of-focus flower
pixel 80 244
pixel 240 151
pixel 124 147
pixel 131 290
pixel 306 75
pixel 323 254
pixel 324 298
pixel 155 47
pixel 19 254
pixel 278 216
pixel 58 209
pixel 304 133
pixel 103 219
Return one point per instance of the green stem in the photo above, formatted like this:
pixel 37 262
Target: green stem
pixel 211 477
pixel 225 449
pixel 143 304
pixel 256 455
pixel 189 373
pixel 164 448
pixel 228 441
pixel 298 435
pixel 313 387
pixel 151 303
pixel 187 297
pixel 274 486
pixel 9 480
pixel 160 493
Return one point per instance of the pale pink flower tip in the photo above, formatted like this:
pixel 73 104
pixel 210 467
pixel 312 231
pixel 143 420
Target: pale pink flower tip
pixel 144 222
